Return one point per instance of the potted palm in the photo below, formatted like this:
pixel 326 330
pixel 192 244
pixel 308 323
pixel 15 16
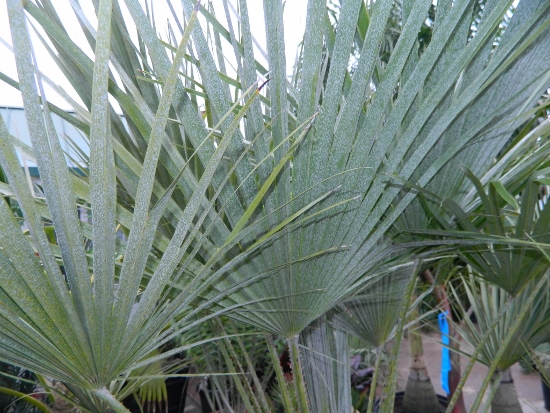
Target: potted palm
pixel 499 340
pixel 512 277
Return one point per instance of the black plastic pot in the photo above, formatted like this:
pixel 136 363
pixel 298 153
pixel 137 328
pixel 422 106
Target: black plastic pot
pixel 399 400
pixel 546 395
pixel 176 388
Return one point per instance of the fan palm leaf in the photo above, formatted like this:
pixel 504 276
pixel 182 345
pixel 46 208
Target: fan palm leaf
pixel 362 312
pixel 509 265
pixel 362 142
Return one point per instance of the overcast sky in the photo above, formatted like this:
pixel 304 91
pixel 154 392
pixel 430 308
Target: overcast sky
pixel 295 12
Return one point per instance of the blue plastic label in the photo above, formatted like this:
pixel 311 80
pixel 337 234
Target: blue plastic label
pixel 445 356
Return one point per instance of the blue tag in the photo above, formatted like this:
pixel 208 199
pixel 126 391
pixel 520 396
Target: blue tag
pixel 445 356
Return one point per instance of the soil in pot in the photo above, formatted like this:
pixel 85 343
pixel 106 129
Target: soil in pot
pixel 398 405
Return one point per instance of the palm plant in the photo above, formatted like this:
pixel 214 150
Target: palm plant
pixel 509 229
pixel 276 208
pixel 493 305
pixel 79 327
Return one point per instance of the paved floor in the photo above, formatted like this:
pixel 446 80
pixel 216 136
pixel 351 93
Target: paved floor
pixel 528 386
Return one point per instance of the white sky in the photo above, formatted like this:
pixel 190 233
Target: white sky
pixel 295 16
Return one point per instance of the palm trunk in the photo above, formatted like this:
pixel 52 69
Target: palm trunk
pixel 420 395
pixel 505 399
pixel 455 374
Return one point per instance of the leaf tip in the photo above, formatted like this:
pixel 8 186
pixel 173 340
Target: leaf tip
pixel 263 84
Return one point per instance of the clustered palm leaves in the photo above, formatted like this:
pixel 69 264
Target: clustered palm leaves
pixel 510 293
pixel 241 192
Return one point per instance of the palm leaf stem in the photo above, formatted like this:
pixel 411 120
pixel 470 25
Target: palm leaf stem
pixel 495 382
pixel 105 395
pixel 298 373
pixel 374 382
pixel 279 374
pixel 243 386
